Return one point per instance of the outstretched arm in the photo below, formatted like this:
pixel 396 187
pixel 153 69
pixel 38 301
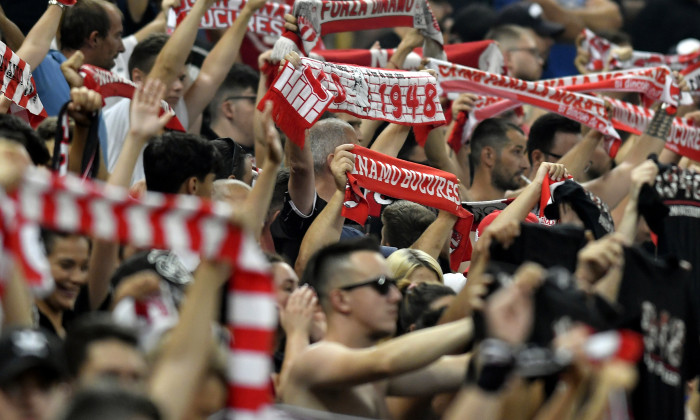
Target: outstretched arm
pixel 38 41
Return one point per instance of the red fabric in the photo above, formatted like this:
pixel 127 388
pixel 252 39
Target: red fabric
pixel 300 96
pixel 109 84
pixel 455 138
pixel 548 187
pixel 18 85
pixel 67 2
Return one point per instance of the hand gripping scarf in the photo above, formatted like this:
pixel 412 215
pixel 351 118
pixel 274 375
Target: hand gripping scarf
pixel 161 221
pixel 18 85
pixel 268 21
pixel 404 180
pixel 300 96
pixel 603 51
pixel 482 55
pixel 321 17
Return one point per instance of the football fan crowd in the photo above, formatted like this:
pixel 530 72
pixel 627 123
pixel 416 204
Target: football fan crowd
pixel 320 209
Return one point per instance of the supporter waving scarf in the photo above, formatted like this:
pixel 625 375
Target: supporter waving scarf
pixel 161 221
pixel 18 85
pixel 321 17
pixel 268 21
pixel 404 180
pixel 483 55
pixel 301 95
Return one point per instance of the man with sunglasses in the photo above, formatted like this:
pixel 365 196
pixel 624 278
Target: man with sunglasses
pixel 349 371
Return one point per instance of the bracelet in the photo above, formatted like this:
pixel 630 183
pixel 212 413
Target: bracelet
pixel 660 126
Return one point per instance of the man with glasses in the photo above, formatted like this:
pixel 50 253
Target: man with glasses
pixel 350 371
pixel 521 54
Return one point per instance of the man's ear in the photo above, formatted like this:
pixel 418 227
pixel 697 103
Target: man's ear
pixel 138 76
pixel 191 185
pixel 339 301
pixel 226 109
pixel 93 39
pixel 488 156
pixel 538 157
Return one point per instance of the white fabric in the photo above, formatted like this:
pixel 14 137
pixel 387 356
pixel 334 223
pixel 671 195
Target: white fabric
pixel 455 281
pixel 117 121
pixel 121 66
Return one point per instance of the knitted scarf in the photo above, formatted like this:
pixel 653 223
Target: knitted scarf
pixel 321 17
pixel 159 221
pixel 404 180
pixel 301 95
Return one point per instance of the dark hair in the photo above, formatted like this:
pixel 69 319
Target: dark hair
pixel 275 258
pixel 416 303
pixel 232 158
pixel 404 222
pixel 79 21
pixel 16 129
pixel 327 262
pixel 145 52
pixel 506 35
pixel 48 237
pixel 89 329
pixel 492 132
pixel 238 79
pixel 172 158
pixel 281 187
pixel 472 22
pixel 110 403
pixel 542 132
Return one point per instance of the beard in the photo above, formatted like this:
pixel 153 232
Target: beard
pixel 505 181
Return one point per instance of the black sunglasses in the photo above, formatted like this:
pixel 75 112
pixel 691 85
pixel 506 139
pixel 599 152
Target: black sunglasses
pixel 381 284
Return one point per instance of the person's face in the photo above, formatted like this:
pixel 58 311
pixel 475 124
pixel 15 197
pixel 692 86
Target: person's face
pixel 423 275
pixel 524 59
pixel 209 399
pixel 354 121
pixel 111 45
pixel 69 264
pixel 243 106
pixel 286 281
pixel 376 311
pixel 31 396
pixel 511 163
pixel 177 88
pixel 114 360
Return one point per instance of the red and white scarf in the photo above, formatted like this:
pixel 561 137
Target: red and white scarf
pixel 410 181
pixel 300 96
pixel 109 84
pixel 548 187
pixel 18 83
pixel 321 17
pixel 602 51
pixel 268 21
pixel 164 221
pixel 483 55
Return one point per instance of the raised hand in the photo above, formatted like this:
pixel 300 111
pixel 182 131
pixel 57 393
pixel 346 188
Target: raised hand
pixel 342 163
pixel 597 257
pixel 83 103
pixel 464 103
pixel 298 315
pixel 556 171
pixel 145 109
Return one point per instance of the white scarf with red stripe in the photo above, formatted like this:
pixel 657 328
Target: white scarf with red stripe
pixel 602 51
pixel 161 221
pixel 483 55
pixel 268 21
pixel 300 96
pixel 109 84
pixel 18 84
pixel 404 180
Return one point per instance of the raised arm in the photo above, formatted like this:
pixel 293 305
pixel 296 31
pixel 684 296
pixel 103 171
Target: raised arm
pixel 328 225
pixel 433 239
pixel 578 158
pixel 38 41
pixel 391 139
pixel 11 34
pixel 219 62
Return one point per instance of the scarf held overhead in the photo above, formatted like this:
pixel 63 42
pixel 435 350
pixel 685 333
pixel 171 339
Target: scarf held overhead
pixel 161 221
pixel 18 84
pixel 404 180
pixel 301 95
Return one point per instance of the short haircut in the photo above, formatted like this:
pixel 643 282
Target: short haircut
pixel 404 262
pixel 542 132
pixel 232 158
pixel 48 237
pixel 324 137
pixel 110 403
pixel 404 222
pixel 506 35
pixel 238 79
pixel 90 329
pixel 325 265
pixel 172 158
pixel 492 132
pixel 82 19
pixel 16 129
pixel 416 303
pixel 145 52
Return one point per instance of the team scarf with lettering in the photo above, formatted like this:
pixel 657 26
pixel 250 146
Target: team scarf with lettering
pixel 69 204
pixel 90 164
pixel 267 22
pixel 316 18
pixel 602 51
pixel 109 84
pixel 656 83
pixel 482 55
pixel 18 86
pixel 402 180
pixel 301 95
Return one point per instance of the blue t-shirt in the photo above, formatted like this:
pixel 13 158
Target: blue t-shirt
pixel 51 86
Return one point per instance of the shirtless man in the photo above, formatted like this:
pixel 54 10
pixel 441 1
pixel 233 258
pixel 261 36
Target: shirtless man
pixel 348 372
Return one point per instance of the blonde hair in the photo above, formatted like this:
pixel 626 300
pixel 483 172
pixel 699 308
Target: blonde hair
pixel 405 261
